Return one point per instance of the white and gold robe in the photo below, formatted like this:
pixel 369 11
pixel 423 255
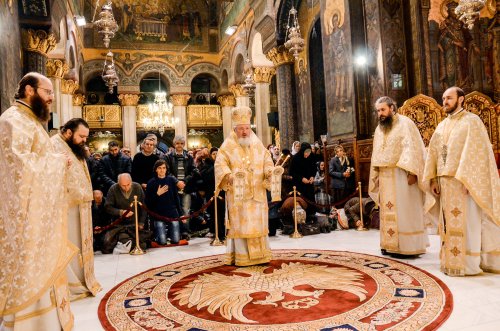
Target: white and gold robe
pixel 33 227
pixel 395 154
pixel 82 281
pixel 247 223
pixel 461 159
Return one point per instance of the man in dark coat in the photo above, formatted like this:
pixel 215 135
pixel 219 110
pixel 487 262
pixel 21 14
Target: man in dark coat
pixel 112 165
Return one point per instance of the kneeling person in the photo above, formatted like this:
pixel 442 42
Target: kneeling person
pixel 118 200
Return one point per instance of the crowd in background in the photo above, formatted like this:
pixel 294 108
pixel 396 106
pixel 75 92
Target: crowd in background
pixel 178 182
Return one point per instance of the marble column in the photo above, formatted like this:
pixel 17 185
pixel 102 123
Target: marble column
pixel 242 98
pixel 78 101
pixel 36 45
pixel 55 70
pixel 262 78
pixel 180 102
pixel 129 101
pixel 283 61
pixel 68 88
pixel 227 102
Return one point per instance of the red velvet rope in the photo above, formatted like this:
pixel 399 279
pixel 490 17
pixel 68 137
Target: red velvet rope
pixel 185 217
pixel 99 229
pixel 335 204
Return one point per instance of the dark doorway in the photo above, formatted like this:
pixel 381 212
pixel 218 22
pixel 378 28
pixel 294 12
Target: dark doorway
pixel 317 81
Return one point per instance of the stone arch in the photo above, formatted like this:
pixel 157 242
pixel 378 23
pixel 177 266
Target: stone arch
pixel 239 54
pixel 256 53
pixel 266 28
pixel 151 67
pixel 202 68
pixel 93 68
pixel 239 69
pixel 60 49
pixel 224 80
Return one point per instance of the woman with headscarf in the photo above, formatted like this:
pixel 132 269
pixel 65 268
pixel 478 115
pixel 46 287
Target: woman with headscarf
pixel 303 170
pixel 295 147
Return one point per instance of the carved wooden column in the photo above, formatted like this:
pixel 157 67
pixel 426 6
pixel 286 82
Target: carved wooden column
pixel 78 101
pixel 495 30
pixel 68 88
pixel 55 70
pixel 241 95
pixel 262 78
pixel 227 102
pixel 36 45
pixel 283 61
pixel 129 101
pixel 180 102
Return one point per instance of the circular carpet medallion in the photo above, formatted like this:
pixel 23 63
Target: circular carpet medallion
pixel 298 290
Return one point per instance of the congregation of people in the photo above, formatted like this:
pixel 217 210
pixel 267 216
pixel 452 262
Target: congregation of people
pixel 411 189
pixel 179 182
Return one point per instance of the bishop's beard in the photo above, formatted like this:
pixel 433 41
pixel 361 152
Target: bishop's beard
pixel 40 108
pixel 78 149
pixel 386 123
pixel 245 142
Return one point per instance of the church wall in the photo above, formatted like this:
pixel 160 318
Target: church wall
pixel 337 59
pixel 10 53
pixel 462 57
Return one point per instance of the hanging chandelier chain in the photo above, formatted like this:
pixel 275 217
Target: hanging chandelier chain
pixel 294 41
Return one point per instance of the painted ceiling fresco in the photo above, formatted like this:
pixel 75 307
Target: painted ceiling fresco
pixel 158 24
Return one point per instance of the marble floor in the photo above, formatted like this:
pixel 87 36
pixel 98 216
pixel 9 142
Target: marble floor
pixel 476 299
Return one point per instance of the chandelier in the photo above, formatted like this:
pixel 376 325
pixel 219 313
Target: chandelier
pixel 106 24
pixel 294 41
pixel 468 11
pixel 249 85
pixel 159 114
pixel 109 73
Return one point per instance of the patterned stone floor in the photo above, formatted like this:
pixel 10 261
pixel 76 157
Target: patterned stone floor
pixel 476 299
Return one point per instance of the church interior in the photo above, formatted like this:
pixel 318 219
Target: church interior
pixel 310 70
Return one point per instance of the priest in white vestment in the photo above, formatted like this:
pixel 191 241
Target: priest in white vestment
pixel 243 168
pixel 71 141
pixel 34 245
pixel 396 184
pixel 464 181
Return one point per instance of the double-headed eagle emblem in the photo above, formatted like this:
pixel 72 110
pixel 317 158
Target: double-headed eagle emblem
pixel 230 294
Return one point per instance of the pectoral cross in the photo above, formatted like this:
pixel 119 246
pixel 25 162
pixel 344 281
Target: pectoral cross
pixel 444 153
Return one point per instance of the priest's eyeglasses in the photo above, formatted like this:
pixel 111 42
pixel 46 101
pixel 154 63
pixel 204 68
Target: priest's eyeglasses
pixel 47 91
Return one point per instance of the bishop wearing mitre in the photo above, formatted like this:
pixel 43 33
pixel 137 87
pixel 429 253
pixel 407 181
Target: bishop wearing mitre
pixel 243 168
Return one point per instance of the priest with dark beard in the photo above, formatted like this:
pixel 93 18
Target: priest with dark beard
pixel 33 230
pixel 71 141
pixel 396 183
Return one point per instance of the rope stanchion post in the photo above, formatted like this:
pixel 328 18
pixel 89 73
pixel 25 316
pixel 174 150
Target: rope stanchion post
pixel 362 226
pixel 216 241
pixel 296 234
pixel 137 250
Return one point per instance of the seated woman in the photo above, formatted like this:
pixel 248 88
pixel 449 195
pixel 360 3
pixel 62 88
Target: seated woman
pixel 162 198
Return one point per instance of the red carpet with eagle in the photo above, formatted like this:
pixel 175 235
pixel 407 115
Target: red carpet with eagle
pixel 297 290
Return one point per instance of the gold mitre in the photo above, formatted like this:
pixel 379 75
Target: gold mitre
pixel 241 115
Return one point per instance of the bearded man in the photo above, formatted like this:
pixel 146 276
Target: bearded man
pixel 242 168
pixel 464 178
pixel 396 184
pixel 34 245
pixel 71 141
